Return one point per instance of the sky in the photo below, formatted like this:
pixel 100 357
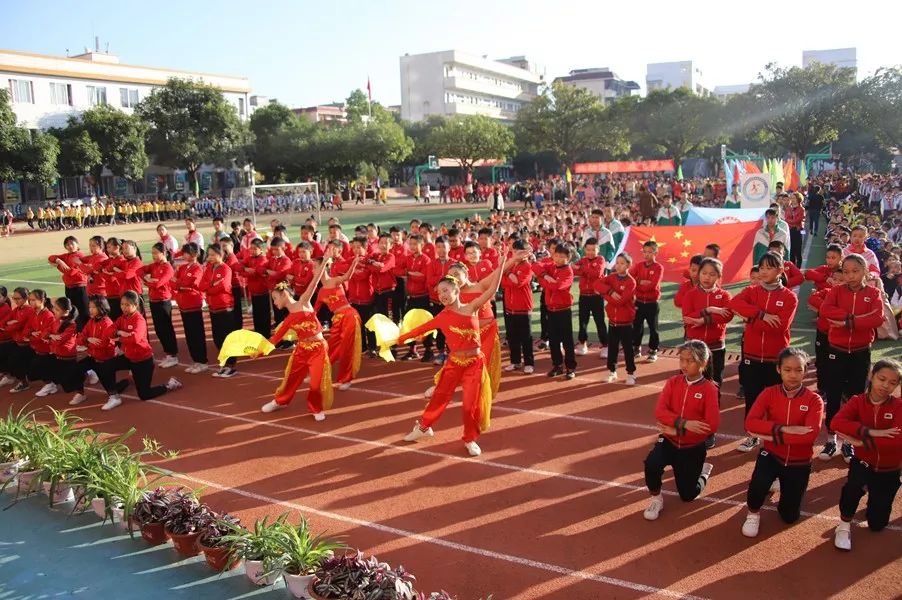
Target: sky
pixel 305 53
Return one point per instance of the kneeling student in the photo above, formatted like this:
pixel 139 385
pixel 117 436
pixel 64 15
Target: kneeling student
pixel 687 413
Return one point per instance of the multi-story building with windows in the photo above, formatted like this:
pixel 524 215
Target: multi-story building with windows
pixel 452 82
pixel 602 82
pixel 841 57
pixel 46 90
pixel 675 75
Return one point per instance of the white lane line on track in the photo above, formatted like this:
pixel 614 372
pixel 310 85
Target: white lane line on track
pixel 542 473
pixel 481 552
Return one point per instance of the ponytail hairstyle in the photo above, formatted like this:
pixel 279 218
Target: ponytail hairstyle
pixel 133 245
pixel 803 357
pixel 22 291
pixel 885 363
pixel 162 249
pixel 114 242
pixel 70 238
pixel 191 249
pixel 65 305
pixel 131 297
pixel 98 241
pixel 714 264
pixel 42 296
pixel 859 259
pixel 698 350
pixel 773 260
pixel 101 304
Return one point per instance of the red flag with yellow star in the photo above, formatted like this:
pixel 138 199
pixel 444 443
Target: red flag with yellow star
pixel 677 245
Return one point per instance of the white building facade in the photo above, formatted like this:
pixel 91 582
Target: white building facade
pixel 602 82
pixel 725 92
pixel 456 83
pixel 675 75
pixel 841 57
pixel 46 90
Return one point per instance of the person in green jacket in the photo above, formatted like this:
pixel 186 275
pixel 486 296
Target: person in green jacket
pixel 684 206
pixel 733 200
pixel 767 234
pixel 668 213
pixel 613 225
pixel 602 234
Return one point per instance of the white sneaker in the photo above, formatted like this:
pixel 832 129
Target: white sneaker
pixel 343 387
pixel 196 368
pixel 603 353
pixel 473 448
pixel 219 372
pixel 169 362
pixel 706 470
pixel 227 372
pixel 652 357
pixel 273 406
pixel 92 377
pixel 173 384
pixel 306 380
pixel 7 380
pixel 77 399
pixel 842 539
pixel 775 486
pixel 747 445
pixel 511 367
pixel 48 389
pixel 612 377
pixel 529 369
pixel 320 416
pixel 630 380
pixel 654 509
pixel 416 433
pixel 582 349
pixel 429 391
pixel 751 525
pixel 111 403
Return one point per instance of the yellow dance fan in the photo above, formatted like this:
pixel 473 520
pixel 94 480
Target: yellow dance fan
pixel 243 343
pixel 414 318
pixel 386 332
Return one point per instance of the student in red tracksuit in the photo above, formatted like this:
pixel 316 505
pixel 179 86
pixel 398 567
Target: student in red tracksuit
pixel 190 300
pixel 158 276
pixel 98 338
pixel 518 304
pixel 360 292
pixel 92 264
pixel 113 291
pixel 436 270
pixel 556 278
pixel 399 250
pixel 590 268
pixel 648 275
pixel 788 418
pixel 417 291
pixel 216 284
pixel 853 311
pixel 64 363
pixel 824 278
pixel 706 314
pixel 238 282
pixel 302 269
pixel 695 264
pixel 254 264
pixel 17 328
pixel 382 269
pixel 872 422
pixel 794 277
pixel 768 309
pixel 74 278
pixel 278 267
pixel 136 357
pixel 126 271
pixel 619 291
pixel 686 415
pixel 7 345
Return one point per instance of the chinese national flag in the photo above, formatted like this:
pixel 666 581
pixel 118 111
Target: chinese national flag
pixel 677 245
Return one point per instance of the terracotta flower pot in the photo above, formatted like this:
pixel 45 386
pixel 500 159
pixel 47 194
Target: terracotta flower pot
pixel 218 558
pixel 297 584
pixel 185 544
pixel 99 506
pixel 311 593
pixel 153 533
pixel 119 518
pixel 254 571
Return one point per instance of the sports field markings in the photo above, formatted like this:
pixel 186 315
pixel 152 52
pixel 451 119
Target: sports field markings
pixel 544 473
pixel 12 280
pixel 437 541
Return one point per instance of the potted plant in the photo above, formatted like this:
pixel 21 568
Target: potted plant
pixel 184 521
pixel 301 554
pixel 150 512
pixel 218 553
pixel 352 576
pixel 259 548
pixel 12 428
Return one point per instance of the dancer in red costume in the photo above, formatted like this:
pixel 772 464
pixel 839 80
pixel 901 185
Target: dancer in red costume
pixel 345 341
pixel 310 354
pixel 466 364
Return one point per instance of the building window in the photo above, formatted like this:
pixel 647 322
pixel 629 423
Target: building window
pixel 128 98
pixel 96 95
pixel 21 91
pixel 241 107
pixel 60 93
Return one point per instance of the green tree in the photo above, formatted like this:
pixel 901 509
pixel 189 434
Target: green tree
pixel 569 121
pixel 881 99
pixel 470 138
pixel 676 124
pixel 801 108
pixel 79 154
pixel 25 154
pixel 190 124
pixel 357 106
pixel 277 132
pixel 419 132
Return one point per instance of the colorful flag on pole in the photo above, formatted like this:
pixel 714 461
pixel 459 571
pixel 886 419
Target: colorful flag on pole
pixel 677 245
pixel 569 175
pixel 803 173
pixel 369 89
pixel 679 173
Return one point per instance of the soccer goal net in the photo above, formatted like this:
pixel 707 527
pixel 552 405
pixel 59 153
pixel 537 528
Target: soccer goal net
pixel 301 197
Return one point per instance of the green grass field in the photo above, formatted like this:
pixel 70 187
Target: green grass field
pixel 23 261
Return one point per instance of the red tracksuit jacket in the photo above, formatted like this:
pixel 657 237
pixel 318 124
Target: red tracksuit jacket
pixel 256 278
pixel 858 416
pixel 216 284
pixel 518 294
pixel 161 289
pixel 860 310
pixel 186 287
pixel 589 271
pixel 104 330
pixel 820 275
pixel 384 276
pixel 794 276
pixel 557 293
pixel 654 273
pixel 714 330
pixel 437 269
pixel 65 346
pixel 816 300
pixel 135 347
pixel 74 277
pixel 40 325
pixel 128 278
pixel 92 266
pixel 681 401
pixel 416 284
pixel 761 342
pixel 773 409
pixel 302 271
pixel 18 330
pixel 6 310
pixel 621 311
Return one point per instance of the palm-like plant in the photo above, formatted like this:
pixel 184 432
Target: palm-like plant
pixel 263 543
pixel 302 551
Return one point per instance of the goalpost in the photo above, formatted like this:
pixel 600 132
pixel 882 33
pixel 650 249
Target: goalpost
pixel 295 197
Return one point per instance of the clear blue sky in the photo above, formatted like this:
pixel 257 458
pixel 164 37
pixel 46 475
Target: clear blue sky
pixel 305 52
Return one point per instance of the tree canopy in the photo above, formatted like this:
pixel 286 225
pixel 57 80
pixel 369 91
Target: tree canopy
pixel 470 138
